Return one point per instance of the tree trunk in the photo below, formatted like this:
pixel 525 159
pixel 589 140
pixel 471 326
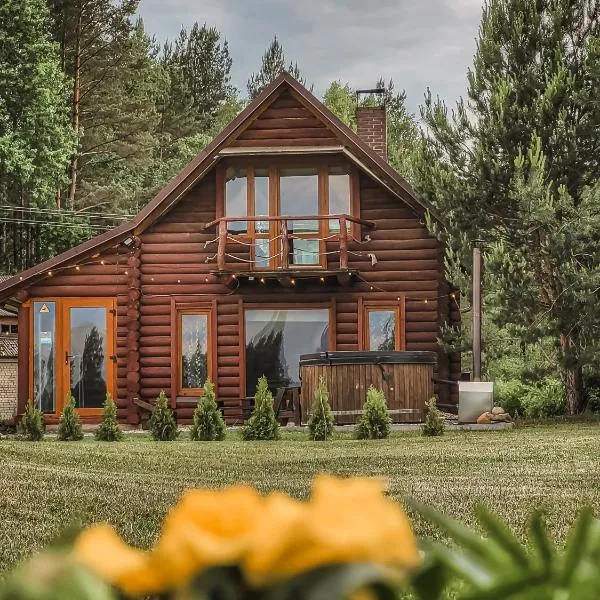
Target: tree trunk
pixel 571 376
pixel 75 106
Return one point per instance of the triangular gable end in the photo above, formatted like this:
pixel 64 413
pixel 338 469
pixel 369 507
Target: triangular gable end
pixel 286 121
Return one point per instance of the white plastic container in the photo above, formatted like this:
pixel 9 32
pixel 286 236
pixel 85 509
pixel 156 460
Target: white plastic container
pixel 474 398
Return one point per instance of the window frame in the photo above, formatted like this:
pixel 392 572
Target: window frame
pixel 244 306
pixel 368 306
pixel 181 312
pixel 192 305
pixel 62 343
pixel 274 165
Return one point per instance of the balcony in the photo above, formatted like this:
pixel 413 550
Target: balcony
pixel 285 248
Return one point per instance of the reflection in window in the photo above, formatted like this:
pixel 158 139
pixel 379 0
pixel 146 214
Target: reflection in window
pixel 299 195
pixel 261 253
pixel 236 199
pixel 275 339
pixel 304 252
pixel 44 347
pixel 339 195
pixel 382 330
pixel 194 350
pixel 261 199
pixel 87 356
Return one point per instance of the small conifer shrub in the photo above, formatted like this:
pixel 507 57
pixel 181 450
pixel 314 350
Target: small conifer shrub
pixel 375 422
pixel 434 423
pixel 208 420
pixel 320 422
pixel 262 424
pixel 69 425
pixel 31 426
pixel 163 427
pixel 109 430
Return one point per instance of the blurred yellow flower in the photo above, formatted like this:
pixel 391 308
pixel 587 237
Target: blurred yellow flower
pixel 206 528
pixel 273 538
pixel 346 520
pixel 101 550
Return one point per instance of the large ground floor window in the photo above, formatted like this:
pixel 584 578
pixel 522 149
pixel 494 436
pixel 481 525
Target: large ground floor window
pixel 275 340
pixel 72 351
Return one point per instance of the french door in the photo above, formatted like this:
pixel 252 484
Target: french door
pixel 73 352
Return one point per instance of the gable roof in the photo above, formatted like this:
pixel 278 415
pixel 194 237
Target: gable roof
pixel 356 150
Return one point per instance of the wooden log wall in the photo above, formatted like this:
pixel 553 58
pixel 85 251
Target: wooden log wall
pixel 286 123
pixel 102 276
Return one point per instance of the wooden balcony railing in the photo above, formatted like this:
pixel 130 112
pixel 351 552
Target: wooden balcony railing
pixel 280 235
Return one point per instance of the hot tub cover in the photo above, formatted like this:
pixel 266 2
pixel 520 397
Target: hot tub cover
pixel 367 357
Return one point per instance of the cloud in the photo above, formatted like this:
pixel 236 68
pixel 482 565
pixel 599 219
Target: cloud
pixel 419 44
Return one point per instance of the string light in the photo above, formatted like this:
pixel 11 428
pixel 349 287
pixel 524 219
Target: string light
pixel 262 279
pixel 101 262
pixel 293 282
pixel 49 273
pixel 77 268
pixel 322 279
pixel 126 272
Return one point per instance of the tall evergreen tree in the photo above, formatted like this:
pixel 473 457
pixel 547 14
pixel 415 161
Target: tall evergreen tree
pixel 35 137
pixel 111 63
pixel 513 165
pixel 198 99
pixel 273 63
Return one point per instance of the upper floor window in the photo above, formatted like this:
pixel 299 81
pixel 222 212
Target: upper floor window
pixel 236 198
pixel 297 191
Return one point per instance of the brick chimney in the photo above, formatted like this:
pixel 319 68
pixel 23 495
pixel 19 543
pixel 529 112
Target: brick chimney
pixel 371 128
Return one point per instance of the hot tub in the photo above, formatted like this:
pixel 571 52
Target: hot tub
pixel 406 379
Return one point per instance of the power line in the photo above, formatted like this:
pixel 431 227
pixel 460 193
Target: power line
pixel 70 213
pixel 55 224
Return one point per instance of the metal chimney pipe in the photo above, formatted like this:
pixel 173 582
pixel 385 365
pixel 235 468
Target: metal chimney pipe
pixel 476 313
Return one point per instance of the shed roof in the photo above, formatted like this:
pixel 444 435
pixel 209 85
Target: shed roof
pixel 355 148
pixel 9 347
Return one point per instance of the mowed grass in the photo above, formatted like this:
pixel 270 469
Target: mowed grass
pixel 47 486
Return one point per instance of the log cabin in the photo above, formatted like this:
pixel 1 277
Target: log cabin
pixel 288 235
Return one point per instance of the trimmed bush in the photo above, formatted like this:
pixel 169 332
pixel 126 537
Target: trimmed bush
pixel 109 430
pixel 69 426
pixel 375 422
pixel 162 424
pixel 31 426
pixel 320 422
pixel 434 424
pixel 208 420
pixel 545 400
pixel 262 424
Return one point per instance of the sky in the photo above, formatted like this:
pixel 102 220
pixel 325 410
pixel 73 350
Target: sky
pixel 417 43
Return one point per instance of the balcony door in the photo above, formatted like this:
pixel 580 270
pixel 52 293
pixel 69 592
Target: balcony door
pixel 73 352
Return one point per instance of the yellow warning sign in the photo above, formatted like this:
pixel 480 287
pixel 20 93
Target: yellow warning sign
pixel 44 309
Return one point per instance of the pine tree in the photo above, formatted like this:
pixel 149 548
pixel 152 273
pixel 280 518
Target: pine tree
pixel 320 421
pixel 31 426
pixel 375 422
pixel 273 63
pixel 35 135
pixel 69 426
pixel 340 99
pixel 208 420
pixel 109 430
pixel 162 424
pixel 513 165
pixel 262 424
pixel 434 423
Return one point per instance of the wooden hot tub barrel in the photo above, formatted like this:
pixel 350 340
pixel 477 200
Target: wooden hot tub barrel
pixel 406 379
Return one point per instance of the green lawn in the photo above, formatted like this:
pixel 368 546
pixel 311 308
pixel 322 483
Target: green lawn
pixel 46 486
